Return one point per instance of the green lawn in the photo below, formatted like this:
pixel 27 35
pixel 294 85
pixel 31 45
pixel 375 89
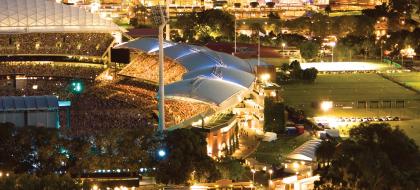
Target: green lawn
pixel 411 79
pixel 411 128
pixel 277 62
pixel 275 151
pixel 347 13
pixel 347 90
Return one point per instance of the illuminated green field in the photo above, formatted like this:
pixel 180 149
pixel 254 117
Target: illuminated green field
pixel 347 90
pixel 411 79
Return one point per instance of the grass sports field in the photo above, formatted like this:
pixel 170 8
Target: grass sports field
pixel 411 79
pixel 344 89
pixel 347 90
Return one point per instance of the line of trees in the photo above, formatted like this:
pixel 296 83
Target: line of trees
pixel 44 151
pixel 48 154
pixel 202 27
pixel 294 72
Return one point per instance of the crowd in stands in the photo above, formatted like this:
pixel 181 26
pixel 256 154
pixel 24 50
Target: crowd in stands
pixel 39 86
pixel 51 69
pixel 126 104
pixel 146 67
pixel 178 111
pixel 86 44
pixel 123 102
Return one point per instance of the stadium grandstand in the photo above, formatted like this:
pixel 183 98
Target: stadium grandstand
pixel 210 77
pixel 202 87
pixel 43 28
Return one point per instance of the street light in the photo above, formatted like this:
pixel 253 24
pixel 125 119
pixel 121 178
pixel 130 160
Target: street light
pixel 332 44
pixel 270 172
pixel 253 176
pixel 283 45
pixel 161 153
pixel 235 33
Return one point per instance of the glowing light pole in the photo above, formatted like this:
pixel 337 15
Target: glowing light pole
pixel 259 45
pixel 332 44
pixel 161 20
pixel 253 176
pixel 168 30
pixel 161 108
pixel 235 33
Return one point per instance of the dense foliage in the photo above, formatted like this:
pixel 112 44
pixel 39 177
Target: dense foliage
pixel 187 158
pixel 274 117
pixel 33 182
pixel 44 151
pixel 209 25
pixel 375 156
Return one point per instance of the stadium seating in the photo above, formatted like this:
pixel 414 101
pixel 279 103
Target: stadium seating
pixel 146 67
pixel 84 44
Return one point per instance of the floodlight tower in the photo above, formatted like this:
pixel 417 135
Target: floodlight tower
pixel 168 30
pixel 160 19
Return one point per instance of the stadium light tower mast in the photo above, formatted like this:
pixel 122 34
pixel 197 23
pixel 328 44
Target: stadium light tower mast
pixel 160 19
pixel 168 30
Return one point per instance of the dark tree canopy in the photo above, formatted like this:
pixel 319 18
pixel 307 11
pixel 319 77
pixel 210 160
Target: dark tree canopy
pixel 254 4
pixel 375 156
pixel 274 116
pixel 310 74
pixel 43 151
pixel 29 182
pixel 270 4
pixel 187 152
pixel 209 25
pixel 231 168
pixel 328 9
pixel 309 50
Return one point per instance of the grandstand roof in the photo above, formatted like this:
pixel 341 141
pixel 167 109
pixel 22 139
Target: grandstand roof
pixel 49 16
pixel 305 152
pixel 148 45
pixel 192 57
pixel 204 89
pixel 228 74
pixel 23 103
pixel 212 77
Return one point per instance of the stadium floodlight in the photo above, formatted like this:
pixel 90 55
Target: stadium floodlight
pixel 159 18
pixel 326 105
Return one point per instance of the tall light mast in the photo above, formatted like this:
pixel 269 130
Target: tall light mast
pixel 161 20
pixel 168 30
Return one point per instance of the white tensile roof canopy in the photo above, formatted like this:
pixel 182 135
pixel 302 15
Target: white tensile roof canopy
pixel 213 77
pixel 48 16
pixel 306 152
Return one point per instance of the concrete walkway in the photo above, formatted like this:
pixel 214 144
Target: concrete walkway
pixel 248 143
